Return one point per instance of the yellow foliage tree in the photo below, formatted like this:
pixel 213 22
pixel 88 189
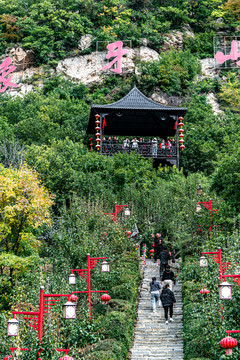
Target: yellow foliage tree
pixel 232 7
pixel 24 206
pixel 230 92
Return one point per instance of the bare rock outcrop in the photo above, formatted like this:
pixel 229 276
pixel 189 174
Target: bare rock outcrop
pixel 147 54
pixel 21 59
pixel 209 68
pixel 212 100
pixel 175 39
pixel 167 100
pixel 85 42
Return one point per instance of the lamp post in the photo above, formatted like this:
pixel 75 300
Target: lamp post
pixel 216 256
pixel 12 349
pixel 117 210
pixel 35 318
pixel 207 205
pixel 86 275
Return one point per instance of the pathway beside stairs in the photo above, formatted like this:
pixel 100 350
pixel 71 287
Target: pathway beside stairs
pixel 153 339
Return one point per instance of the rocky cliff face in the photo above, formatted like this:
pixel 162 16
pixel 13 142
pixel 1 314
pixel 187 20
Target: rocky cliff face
pixel 87 68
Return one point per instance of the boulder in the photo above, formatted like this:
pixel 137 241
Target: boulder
pixel 212 100
pixel 85 42
pixel 87 68
pixel 147 54
pixel 21 59
pixel 167 100
pixel 144 42
pixel 209 67
pixel 175 39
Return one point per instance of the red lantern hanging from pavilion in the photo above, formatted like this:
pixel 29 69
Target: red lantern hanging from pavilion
pixel 91 144
pixel 180 130
pixel 97 133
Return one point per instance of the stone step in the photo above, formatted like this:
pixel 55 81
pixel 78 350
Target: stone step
pixel 153 339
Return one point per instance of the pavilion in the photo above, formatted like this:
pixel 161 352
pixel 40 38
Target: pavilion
pixel 138 116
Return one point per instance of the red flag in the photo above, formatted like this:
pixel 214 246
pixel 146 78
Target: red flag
pixel 104 123
pixel 175 126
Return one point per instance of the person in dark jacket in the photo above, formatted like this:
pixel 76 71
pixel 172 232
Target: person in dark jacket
pixel 158 241
pixel 164 259
pixel 168 300
pixel 155 293
pixel 168 277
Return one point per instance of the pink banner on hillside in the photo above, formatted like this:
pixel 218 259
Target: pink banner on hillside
pixel 5 69
pixel 115 50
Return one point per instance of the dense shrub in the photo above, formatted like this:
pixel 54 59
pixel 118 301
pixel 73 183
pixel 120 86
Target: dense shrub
pixel 172 73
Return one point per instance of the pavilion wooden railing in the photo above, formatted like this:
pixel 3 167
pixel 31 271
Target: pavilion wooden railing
pixel 147 150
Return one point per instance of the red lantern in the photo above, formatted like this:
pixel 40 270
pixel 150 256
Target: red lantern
pixel 228 343
pixel 105 298
pixel 181 141
pixel 153 245
pixel 128 233
pixel 152 251
pixel 97 128
pixel 98 147
pixel 180 118
pixel 66 357
pixel 182 147
pixel 181 130
pixel 73 298
pixel 204 291
pixel 97 134
pixel 181 136
pixel 97 116
pixel 180 124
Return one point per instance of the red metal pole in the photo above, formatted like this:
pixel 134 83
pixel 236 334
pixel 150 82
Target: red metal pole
pixel 89 284
pixel 115 213
pixel 220 262
pixel 41 310
pixel 210 208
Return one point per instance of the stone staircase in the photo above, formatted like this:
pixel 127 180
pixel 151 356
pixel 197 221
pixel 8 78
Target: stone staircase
pixel 153 339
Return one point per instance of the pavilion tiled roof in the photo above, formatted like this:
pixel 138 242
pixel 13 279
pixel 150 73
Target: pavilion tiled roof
pixel 136 100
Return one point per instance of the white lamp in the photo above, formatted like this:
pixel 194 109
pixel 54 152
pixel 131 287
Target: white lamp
pixel 203 261
pixel 13 326
pixel 69 310
pixel 105 266
pixel 72 279
pixel 127 212
pixel 198 208
pixel 225 291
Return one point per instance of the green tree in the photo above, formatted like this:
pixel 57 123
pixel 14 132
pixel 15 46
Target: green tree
pixel 24 205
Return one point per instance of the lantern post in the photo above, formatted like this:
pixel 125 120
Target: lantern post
pixel 216 256
pixel 35 318
pixel 236 278
pixel 86 275
pixel 207 205
pixel 117 210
